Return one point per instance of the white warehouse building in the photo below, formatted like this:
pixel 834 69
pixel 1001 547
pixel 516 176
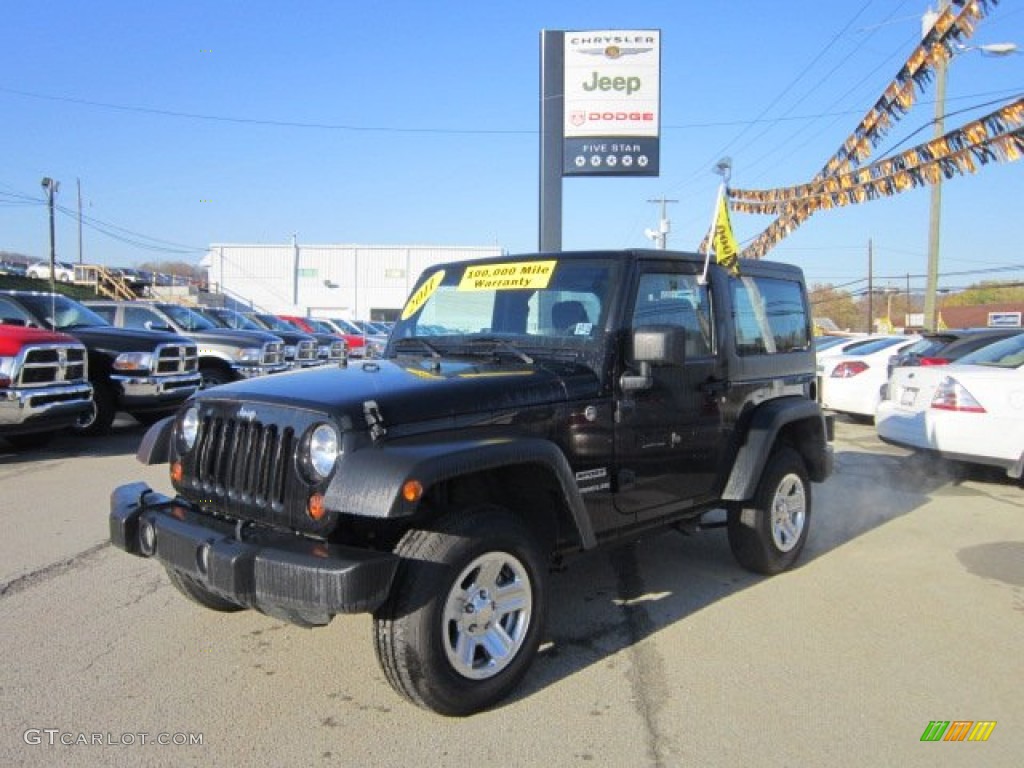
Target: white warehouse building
pixel 356 282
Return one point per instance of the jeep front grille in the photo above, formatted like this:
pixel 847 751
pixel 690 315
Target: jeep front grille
pixel 244 467
pixel 51 364
pixel 176 358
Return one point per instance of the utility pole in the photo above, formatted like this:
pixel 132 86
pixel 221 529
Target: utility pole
pixel 871 289
pixel 79 183
pixel 935 205
pixel 660 235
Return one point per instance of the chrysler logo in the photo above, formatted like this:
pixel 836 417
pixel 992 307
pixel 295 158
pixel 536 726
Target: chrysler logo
pixel 246 414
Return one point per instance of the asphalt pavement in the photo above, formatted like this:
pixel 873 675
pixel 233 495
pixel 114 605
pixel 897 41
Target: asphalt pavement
pixel 907 607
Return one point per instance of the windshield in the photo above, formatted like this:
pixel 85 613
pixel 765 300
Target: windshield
pixel 531 302
pixel 187 319
pixel 66 313
pixel 1008 353
pixel 231 319
pixel 875 345
pixel 275 323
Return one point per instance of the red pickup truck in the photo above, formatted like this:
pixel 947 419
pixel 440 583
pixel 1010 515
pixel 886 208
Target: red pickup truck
pixel 44 384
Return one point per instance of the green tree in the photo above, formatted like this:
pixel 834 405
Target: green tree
pixel 831 303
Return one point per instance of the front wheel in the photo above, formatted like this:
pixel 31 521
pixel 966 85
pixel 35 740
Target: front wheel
pixel 466 611
pixel 100 416
pixel 767 535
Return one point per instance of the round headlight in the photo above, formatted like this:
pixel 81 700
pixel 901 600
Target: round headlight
pixel 323 450
pixel 189 427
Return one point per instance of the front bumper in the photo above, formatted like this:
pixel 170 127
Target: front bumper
pixel 252 371
pixel 25 410
pixel 138 392
pixel 283 575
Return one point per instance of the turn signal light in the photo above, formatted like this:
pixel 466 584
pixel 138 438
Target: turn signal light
pixel 412 490
pixel 315 507
pixel 177 472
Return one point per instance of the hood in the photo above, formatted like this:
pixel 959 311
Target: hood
pixel 291 337
pixel 124 339
pixel 232 337
pixel 14 337
pixel 409 391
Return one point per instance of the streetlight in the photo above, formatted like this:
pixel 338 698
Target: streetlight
pixel 51 188
pixel 660 235
pixel 935 206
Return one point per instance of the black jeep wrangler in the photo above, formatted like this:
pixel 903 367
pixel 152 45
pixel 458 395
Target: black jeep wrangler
pixel 526 408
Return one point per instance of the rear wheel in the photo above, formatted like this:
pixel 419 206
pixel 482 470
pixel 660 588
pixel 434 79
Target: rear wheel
pixel 466 611
pixel 197 593
pixel 768 535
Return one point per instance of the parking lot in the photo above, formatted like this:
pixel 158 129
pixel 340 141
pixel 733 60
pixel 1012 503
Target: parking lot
pixel 907 607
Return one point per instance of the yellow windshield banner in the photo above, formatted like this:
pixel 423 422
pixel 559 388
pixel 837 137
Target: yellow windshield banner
pixel 424 292
pixel 510 276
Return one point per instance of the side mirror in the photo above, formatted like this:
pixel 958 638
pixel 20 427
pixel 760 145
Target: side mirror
pixel 654 345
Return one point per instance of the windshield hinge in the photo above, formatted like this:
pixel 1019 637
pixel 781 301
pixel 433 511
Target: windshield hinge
pixel 371 412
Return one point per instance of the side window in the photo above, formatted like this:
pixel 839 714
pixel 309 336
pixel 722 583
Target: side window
pixel 675 299
pixel 107 313
pixel 770 316
pixel 137 317
pixel 11 311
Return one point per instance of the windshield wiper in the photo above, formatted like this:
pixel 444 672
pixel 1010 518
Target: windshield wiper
pixel 434 351
pixel 504 345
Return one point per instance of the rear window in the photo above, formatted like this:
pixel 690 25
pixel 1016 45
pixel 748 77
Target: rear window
pixel 770 316
pixel 1008 353
pixel 928 347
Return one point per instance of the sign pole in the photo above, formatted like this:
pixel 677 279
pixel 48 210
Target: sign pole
pixel 551 136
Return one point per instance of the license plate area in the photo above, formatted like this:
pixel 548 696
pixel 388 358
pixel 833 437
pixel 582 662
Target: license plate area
pixel 908 396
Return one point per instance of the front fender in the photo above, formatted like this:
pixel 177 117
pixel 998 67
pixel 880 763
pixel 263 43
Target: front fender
pixel 369 482
pixel 155 447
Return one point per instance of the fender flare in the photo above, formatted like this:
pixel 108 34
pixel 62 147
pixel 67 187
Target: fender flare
pixel 765 423
pixel 370 480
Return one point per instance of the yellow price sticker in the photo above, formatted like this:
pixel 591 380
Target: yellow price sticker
pixel 424 292
pixel 509 276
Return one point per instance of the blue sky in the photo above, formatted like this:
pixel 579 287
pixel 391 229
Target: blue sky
pixel 417 123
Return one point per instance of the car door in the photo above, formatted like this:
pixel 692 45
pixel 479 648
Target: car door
pixel 669 437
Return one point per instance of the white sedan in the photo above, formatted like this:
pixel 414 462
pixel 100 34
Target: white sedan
pixel 62 271
pixel 852 382
pixel 972 410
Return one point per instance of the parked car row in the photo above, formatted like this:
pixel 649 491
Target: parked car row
pixel 69 364
pixel 958 394
pixel 144 373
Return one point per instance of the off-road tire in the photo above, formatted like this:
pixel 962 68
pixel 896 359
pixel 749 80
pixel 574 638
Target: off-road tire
pixel 480 564
pixel 767 534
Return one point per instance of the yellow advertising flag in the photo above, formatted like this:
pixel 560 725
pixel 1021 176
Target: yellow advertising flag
pixel 723 240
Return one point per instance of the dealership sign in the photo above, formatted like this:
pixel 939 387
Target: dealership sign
pixel 612 109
